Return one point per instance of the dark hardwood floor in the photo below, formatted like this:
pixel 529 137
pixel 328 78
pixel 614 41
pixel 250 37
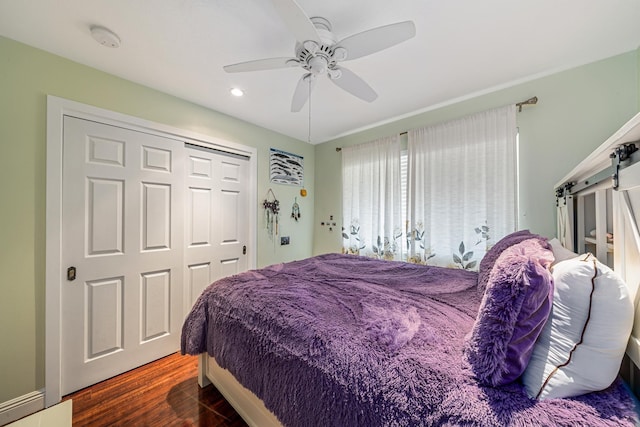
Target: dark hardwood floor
pixel 162 393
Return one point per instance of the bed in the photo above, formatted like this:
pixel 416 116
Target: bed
pixel 350 341
pixel 342 340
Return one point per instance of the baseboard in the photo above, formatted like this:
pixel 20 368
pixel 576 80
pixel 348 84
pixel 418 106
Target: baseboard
pixel 21 406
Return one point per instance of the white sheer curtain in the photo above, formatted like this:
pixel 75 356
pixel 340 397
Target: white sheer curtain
pixel 371 199
pixel 462 187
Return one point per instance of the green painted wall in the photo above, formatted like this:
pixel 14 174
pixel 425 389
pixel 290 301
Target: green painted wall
pixel 638 67
pixel 577 110
pixel 27 76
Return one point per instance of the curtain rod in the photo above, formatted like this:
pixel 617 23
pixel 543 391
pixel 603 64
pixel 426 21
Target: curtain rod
pixel 531 101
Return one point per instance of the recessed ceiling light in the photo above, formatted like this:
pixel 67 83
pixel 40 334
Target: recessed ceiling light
pixel 105 36
pixel 236 91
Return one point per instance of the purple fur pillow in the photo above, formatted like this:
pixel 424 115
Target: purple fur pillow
pixel 514 309
pixel 490 258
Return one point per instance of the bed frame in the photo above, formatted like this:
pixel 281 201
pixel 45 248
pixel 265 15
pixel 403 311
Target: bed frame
pixel 248 405
pixel 603 191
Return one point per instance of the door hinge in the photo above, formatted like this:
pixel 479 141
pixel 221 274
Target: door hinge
pixel 244 250
pixel 71 274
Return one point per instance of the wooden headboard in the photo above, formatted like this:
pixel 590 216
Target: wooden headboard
pixel 602 193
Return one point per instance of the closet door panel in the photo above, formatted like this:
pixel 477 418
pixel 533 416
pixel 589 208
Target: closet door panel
pixel 217 218
pixel 121 299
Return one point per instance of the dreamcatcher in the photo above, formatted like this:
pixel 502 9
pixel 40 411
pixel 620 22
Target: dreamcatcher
pixel 271 207
pixel 295 210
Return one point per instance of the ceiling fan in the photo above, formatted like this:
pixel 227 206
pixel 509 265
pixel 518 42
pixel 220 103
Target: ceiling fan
pixel 318 52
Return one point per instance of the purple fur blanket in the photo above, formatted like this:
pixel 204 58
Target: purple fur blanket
pixel 340 340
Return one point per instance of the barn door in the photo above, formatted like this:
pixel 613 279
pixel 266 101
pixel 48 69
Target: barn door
pixel 626 240
pixel 217 218
pixel 122 241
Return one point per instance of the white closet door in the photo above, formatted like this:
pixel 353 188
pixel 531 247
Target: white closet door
pixel 217 218
pixel 123 233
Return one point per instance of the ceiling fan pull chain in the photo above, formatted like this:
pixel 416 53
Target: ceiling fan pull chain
pixel 309 129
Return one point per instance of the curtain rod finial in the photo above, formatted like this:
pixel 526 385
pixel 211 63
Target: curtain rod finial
pixel 531 101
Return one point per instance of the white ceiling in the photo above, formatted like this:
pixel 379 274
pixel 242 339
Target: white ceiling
pixel 461 48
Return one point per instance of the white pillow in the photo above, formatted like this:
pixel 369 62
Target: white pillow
pixel 595 361
pixel 560 253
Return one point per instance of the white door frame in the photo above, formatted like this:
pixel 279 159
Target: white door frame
pixel 57 108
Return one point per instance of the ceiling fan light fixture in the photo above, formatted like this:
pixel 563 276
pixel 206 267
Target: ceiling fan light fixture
pixel 334 73
pixel 318 65
pixel 236 91
pixel 340 54
pixel 311 46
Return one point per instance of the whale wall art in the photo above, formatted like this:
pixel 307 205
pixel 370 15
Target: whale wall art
pixel 286 168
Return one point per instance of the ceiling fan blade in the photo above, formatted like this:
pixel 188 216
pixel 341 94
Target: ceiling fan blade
pixel 302 92
pixel 377 39
pixel 297 21
pixel 353 84
pixel 260 64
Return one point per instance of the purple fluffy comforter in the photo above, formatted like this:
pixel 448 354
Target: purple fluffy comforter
pixel 340 340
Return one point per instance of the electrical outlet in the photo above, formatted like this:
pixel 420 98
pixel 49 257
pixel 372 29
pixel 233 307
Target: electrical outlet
pixel 284 240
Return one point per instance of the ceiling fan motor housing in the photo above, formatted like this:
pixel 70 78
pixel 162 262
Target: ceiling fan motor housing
pixel 320 59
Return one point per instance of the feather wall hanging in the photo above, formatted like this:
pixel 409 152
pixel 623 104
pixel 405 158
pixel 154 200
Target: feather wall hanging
pixel 271 207
pixel 295 210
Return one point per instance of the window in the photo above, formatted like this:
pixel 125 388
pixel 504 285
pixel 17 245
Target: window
pixel 371 199
pixel 453 193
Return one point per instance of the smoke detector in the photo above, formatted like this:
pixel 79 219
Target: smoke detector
pixel 105 36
